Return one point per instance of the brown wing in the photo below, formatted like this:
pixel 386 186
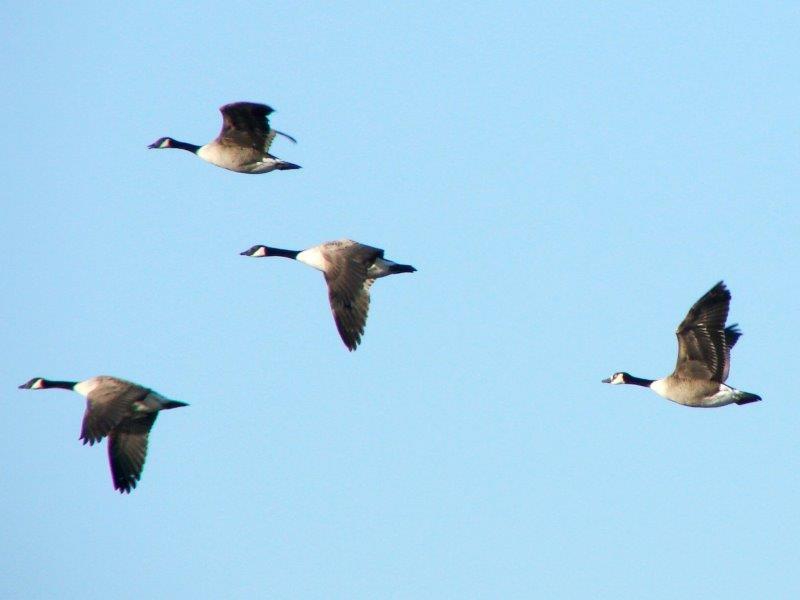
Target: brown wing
pixel 732 335
pixel 348 289
pixel 703 350
pixel 246 124
pixel 127 449
pixel 108 404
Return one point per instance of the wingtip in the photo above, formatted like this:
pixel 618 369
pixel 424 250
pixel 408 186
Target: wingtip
pixel 720 287
pixel 733 328
pixel 351 344
pixel 124 488
pixel 286 135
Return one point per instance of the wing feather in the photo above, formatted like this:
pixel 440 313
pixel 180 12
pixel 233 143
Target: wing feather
pixel 246 124
pixel 348 289
pixel 703 341
pixel 127 450
pixel 107 405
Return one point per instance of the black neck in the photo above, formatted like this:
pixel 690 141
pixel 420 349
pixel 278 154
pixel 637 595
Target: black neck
pixel 184 146
pixel 282 252
pixel 639 381
pixel 64 385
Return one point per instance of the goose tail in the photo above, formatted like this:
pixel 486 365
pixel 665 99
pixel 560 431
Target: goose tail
pixel 746 398
pixel 167 404
pixel 401 269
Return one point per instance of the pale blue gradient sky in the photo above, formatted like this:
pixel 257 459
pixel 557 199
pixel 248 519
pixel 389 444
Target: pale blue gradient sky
pixel 568 179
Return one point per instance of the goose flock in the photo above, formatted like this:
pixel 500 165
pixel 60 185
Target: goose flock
pixel 125 412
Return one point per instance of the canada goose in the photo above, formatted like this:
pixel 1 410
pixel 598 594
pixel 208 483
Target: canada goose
pixel 350 269
pixel 704 357
pixel 121 410
pixel 242 145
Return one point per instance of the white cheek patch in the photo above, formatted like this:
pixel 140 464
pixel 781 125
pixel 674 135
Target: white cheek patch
pixel 39 384
pixel 260 252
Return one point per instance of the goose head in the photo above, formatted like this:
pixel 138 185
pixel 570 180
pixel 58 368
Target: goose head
pixel 164 142
pixel 37 383
pixel 618 378
pixel 256 251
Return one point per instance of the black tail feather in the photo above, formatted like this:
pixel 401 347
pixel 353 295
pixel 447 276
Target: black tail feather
pixel 402 269
pixel 747 398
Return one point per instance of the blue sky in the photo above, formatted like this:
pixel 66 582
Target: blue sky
pixel 568 179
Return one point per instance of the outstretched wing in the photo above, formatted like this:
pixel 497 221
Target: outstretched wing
pixel 127 450
pixel 732 335
pixel 108 404
pixel 246 124
pixel 348 289
pixel 703 341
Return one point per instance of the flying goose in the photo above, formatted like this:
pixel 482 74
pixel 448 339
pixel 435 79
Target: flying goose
pixel 242 145
pixel 350 269
pixel 121 410
pixel 704 357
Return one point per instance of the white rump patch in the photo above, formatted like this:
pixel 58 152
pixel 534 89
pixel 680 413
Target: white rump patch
pixel 380 268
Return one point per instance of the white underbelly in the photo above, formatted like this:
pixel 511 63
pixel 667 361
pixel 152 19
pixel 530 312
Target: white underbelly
pixel 725 395
pixel 263 166
pixel 233 161
pixel 689 397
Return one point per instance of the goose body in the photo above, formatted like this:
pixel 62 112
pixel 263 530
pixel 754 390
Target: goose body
pixel 350 269
pixel 704 353
pixel 121 410
pixel 243 143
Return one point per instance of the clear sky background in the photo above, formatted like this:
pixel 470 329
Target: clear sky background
pixel 567 177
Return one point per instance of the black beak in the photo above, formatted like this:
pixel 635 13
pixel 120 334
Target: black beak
pixel 606 380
